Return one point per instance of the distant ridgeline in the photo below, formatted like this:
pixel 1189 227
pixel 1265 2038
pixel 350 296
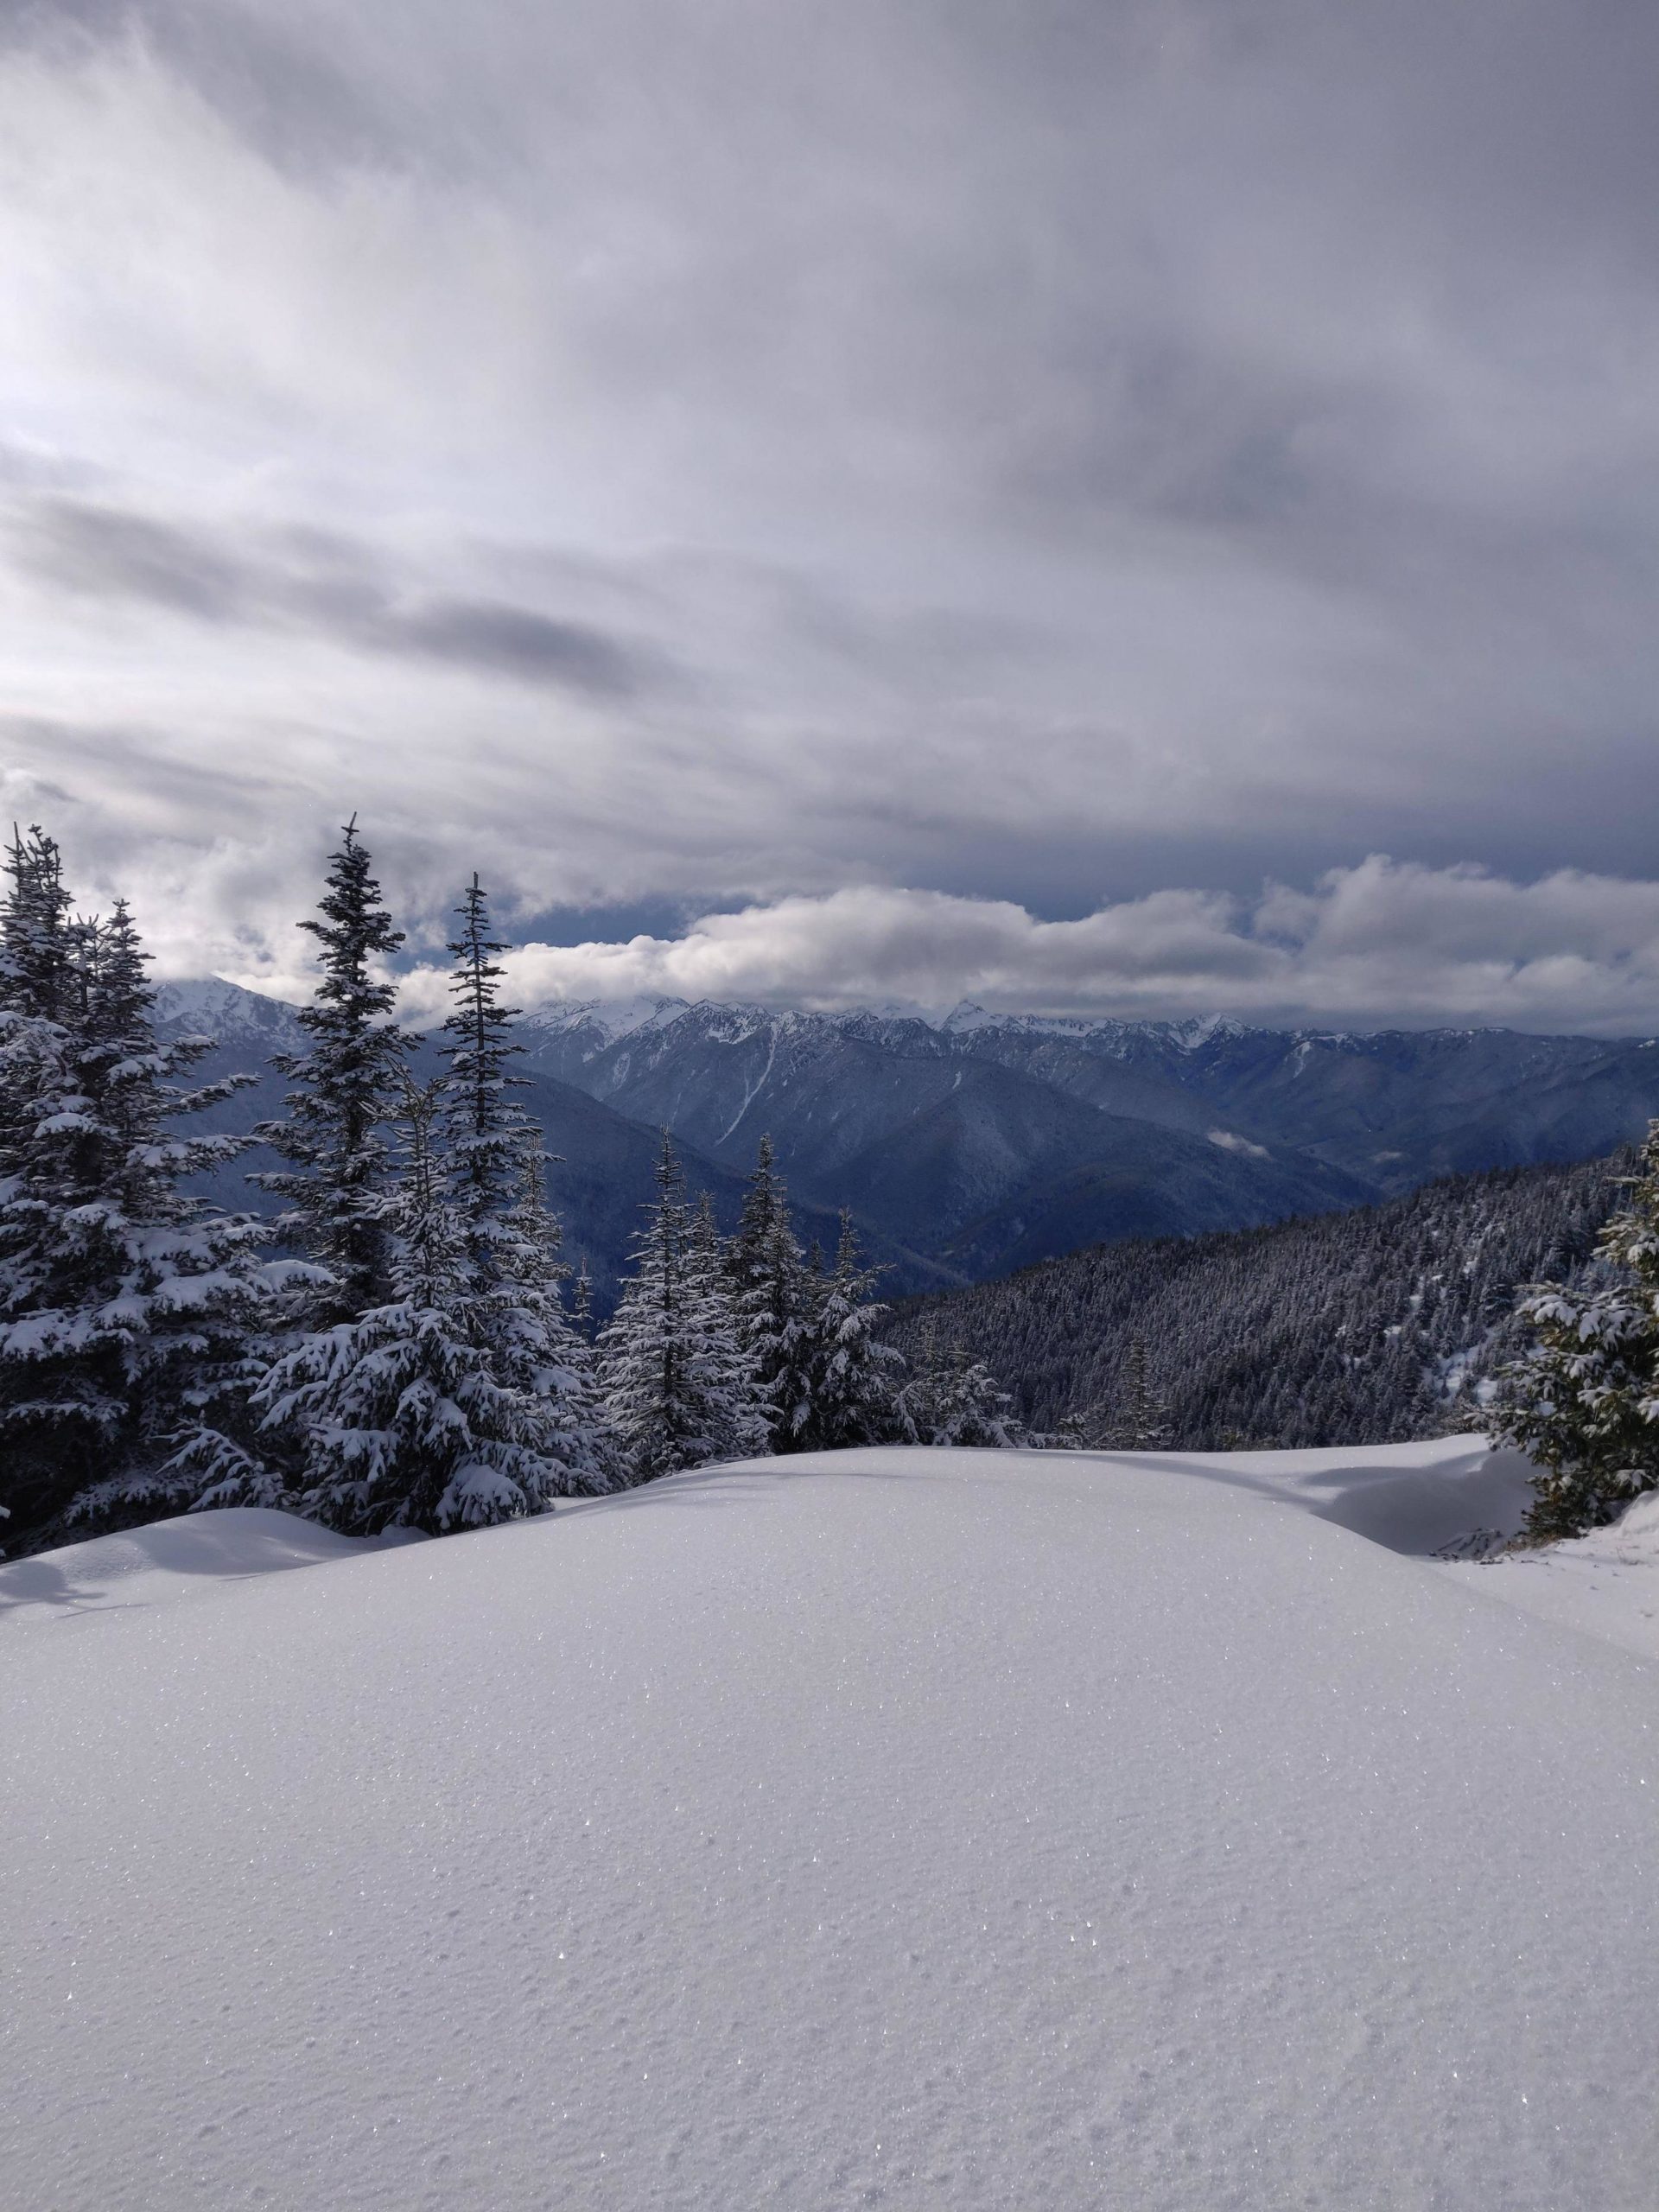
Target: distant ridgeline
pixel 1363 1327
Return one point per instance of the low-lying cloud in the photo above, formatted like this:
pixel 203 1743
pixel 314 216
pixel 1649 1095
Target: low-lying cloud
pixel 1382 945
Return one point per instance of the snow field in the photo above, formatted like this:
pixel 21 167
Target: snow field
pixel 904 1828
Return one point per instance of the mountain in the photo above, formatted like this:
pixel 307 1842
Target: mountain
pixel 1336 1329
pixel 972 1143
pixel 604 1162
pixel 987 1141
pixel 935 1830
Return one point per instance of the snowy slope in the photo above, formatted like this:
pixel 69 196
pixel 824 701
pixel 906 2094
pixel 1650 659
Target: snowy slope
pixel 915 1829
pixel 1605 1585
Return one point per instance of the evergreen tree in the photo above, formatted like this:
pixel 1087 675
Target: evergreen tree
pixel 738 1410
pixel 582 1303
pixel 126 1306
pixel 774 1310
pixel 345 1096
pixel 405 1417
pixel 1583 1401
pixel 485 1130
pixel 1138 1419
pixel 539 1348
pixel 951 1398
pixel 679 1390
pixel 852 1378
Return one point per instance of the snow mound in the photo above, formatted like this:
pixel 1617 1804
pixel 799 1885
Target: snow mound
pixel 916 1830
pixel 1416 1497
pixel 1605 1585
pixel 166 1561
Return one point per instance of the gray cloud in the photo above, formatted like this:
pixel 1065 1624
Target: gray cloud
pixel 1054 452
pixel 1376 944
pixel 325 582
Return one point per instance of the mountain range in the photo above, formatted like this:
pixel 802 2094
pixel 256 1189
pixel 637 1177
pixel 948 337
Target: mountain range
pixel 972 1143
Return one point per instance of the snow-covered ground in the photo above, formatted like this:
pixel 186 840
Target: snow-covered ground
pixel 905 1829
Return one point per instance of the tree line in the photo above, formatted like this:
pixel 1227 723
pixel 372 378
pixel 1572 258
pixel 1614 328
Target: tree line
pixel 403 1343
pixel 1522 1302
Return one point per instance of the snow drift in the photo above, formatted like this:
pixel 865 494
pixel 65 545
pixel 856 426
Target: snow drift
pixel 905 1829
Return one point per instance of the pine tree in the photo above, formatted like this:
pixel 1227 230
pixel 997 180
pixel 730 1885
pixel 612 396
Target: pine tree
pixel 539 1347
pixel 485 1130
pixel 852 1379
pixel 581 1302
pixel 679 1390
pixel 405 1419
pixel 951 1398
pixel 345 1096
pixel 774 1310
pixel 1138 1419
pixel 1584 1402
pixel 126 1306
pixel 738 1410
pixel 61 1400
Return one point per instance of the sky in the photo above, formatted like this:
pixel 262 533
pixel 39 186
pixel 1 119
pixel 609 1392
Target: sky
pixel 1135 506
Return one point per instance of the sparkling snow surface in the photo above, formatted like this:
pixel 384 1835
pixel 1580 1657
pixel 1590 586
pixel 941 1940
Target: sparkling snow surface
pixel 906 1828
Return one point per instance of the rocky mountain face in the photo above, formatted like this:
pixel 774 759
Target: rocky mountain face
pixel 974 1143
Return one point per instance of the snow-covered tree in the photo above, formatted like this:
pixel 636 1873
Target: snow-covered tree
pixel 345 1095
pixel 679 1388
pixel 126 1306
pixel 539 1348
pixel 1584 1402
pixel 485 1127
pixel 1137 1419
pixel 776 1303
pixel 582 1303
pixel 738 1407
pixel 852 1379
pixel 951 1398
pixel 405 1417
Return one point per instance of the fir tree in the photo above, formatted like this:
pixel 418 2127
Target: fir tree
pixel 1584 1402
pixel 581 1302
pixel 126 1306
pixel 951 1398
pixel 485 1130
pixel 539 1348
pixel 774 1309
pixel 405 1418
pixel 737 1409
pixel 679 1390
pixel 1138 1419
pixel 852 1379
pixel 345 1096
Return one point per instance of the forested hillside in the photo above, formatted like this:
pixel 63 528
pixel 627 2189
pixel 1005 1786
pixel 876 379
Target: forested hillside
pixel 1350 1328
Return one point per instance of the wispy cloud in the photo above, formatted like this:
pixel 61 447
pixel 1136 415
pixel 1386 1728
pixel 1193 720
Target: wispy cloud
pixel 324 584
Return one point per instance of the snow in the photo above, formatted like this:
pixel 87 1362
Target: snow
pixel 913 1829
pixel 1605 1585
pixel 1417 1497
pixel 609 1017
pixel 193 1557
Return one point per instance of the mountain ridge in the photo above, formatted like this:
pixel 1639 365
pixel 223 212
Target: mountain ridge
pixel 968 1142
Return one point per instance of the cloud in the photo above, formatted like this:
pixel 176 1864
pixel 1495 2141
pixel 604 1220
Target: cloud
pixel 1033 456
pixel 325 583
pixel 1380 945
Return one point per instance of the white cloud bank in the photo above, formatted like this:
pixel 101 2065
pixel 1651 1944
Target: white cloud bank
pixel 1380 945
